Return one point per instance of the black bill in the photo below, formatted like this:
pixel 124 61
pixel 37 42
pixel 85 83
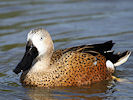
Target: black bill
pixel 26 62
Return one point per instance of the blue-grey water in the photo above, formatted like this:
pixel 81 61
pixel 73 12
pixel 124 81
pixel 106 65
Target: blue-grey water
pixel 71 23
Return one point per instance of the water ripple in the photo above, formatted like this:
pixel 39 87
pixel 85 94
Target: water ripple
pixel 71 23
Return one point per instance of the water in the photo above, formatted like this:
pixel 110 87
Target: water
pixel 71 23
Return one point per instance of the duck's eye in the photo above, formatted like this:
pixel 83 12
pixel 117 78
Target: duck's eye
pixel 41 38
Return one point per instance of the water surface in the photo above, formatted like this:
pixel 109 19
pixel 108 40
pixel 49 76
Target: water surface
pixel 71 23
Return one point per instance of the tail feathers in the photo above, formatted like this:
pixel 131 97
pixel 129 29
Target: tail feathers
pixel 114 60
pixel 121 58
pixel 105 46
pixel 108 45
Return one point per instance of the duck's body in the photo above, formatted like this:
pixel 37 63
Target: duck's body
pixel 75 66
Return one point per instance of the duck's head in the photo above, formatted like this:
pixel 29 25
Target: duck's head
pixel 39 44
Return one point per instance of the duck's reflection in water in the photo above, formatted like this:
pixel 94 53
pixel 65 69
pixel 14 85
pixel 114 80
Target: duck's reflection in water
pixel 97 91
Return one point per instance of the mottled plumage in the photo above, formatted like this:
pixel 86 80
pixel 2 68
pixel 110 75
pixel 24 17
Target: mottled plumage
pixel 75 66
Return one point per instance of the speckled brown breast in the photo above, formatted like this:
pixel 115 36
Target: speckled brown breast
pixel 73 68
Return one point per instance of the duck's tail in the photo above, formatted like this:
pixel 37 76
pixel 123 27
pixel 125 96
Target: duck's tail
pixel 121 58
pixel 114 60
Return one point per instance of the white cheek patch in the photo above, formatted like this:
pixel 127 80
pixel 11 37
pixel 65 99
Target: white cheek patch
pixel 38 43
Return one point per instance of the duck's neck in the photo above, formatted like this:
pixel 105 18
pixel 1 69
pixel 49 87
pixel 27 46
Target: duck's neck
pixel 41 64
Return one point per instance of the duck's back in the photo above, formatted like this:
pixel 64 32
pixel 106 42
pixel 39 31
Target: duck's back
pixel 76 69
pixel 79 65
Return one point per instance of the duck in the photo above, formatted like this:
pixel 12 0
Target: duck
pixel 42 66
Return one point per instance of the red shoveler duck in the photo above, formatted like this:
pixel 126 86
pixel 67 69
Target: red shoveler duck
pixel 41 66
